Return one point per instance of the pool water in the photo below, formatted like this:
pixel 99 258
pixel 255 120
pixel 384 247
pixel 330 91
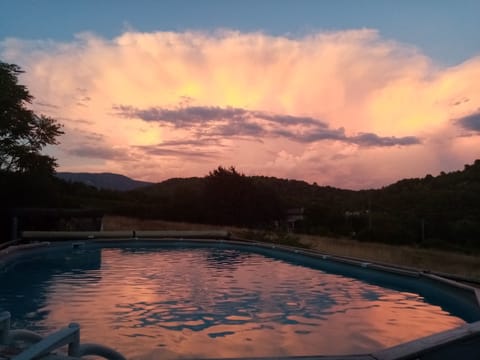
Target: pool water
pixel 213 302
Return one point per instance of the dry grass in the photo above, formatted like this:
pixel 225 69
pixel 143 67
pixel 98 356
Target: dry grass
pixel 127 223
pixel 425 259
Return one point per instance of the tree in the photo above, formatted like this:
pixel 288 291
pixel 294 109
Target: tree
pixel 235 199
pixel 23 134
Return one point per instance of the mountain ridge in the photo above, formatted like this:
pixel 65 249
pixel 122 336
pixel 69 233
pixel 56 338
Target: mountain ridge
pixel 440 211
pixel 105 180
pixel 120 182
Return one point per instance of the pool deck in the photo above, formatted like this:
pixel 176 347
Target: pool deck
pixel 462 342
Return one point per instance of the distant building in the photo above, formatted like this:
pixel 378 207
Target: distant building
pixel 357 213
pixel 294 215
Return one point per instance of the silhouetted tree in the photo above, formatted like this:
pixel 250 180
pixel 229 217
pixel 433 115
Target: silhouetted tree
pixel 23 134
pixel 233 198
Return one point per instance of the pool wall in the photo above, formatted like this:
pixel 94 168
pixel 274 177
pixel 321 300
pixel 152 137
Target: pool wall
pixel 462 342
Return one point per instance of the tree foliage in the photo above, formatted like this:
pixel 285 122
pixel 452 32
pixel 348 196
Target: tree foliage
pixel 23 134
pixel 436 211
pixel 233 198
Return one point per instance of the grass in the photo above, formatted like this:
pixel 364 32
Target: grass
pixel 425 259
pixel 128 223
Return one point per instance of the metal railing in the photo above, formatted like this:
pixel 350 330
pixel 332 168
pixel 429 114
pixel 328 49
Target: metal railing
pixel 42 346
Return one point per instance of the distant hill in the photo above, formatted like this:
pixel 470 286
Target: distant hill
pixel 440 211
pixel 107 181
pixel 292 193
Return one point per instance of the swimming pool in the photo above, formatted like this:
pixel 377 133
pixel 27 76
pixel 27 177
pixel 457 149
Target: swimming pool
pixel 187 299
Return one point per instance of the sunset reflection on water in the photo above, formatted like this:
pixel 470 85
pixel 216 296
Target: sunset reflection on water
pixel 214 303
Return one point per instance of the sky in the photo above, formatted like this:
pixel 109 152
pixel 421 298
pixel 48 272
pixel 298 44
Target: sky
pixel 348 93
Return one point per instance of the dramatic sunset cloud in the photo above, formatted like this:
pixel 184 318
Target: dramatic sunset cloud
pixel 346 108
pixel 471 122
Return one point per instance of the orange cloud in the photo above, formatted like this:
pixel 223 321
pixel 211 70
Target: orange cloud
pixel 366 89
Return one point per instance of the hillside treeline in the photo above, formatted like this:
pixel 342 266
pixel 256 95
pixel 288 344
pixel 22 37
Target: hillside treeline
pixel 435 211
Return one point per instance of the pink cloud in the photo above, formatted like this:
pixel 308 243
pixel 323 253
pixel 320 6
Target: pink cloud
pixel 378 110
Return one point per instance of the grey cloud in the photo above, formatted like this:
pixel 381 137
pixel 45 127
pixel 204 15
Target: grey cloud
pixel 470 122
pixel 289 119
pixel 160 150
pixel 193 142
pixel 340 156
pixel 232 121
pixel 185 100
pixel 461 101
pixel 196 148
pixel 82 121
pixel 312 135
pixel 45 104
pixel 186 116
pixel 82 98
pixel 94 137
pixel 76 133
pixel 64 119
pixel 370 139
pixel 234 128
pixel 211 121
pixel 204 114
pixel 362 139
pixel 98 152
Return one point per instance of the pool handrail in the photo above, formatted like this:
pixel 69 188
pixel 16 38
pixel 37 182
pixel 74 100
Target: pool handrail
pixel 98 350
pixel 66 336
pixel 42 346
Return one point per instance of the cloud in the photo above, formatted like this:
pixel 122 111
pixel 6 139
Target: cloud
pixel 192 142
pixel 176 153
pixel 470 122
pixel 312 134
pixel 85 144
pixel 187 116
pixel 343 108
pixel 204 148
pixel 369 139
pixel 231 122
pixel 289 119
pixel 75 134
pixel 42 104
pixel 236 128
pixel 99 152
pixel 194 115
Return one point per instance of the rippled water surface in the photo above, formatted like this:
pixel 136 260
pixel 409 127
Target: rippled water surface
pixel 215 302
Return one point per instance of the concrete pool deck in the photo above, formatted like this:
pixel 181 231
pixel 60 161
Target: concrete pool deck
pixel 462 342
